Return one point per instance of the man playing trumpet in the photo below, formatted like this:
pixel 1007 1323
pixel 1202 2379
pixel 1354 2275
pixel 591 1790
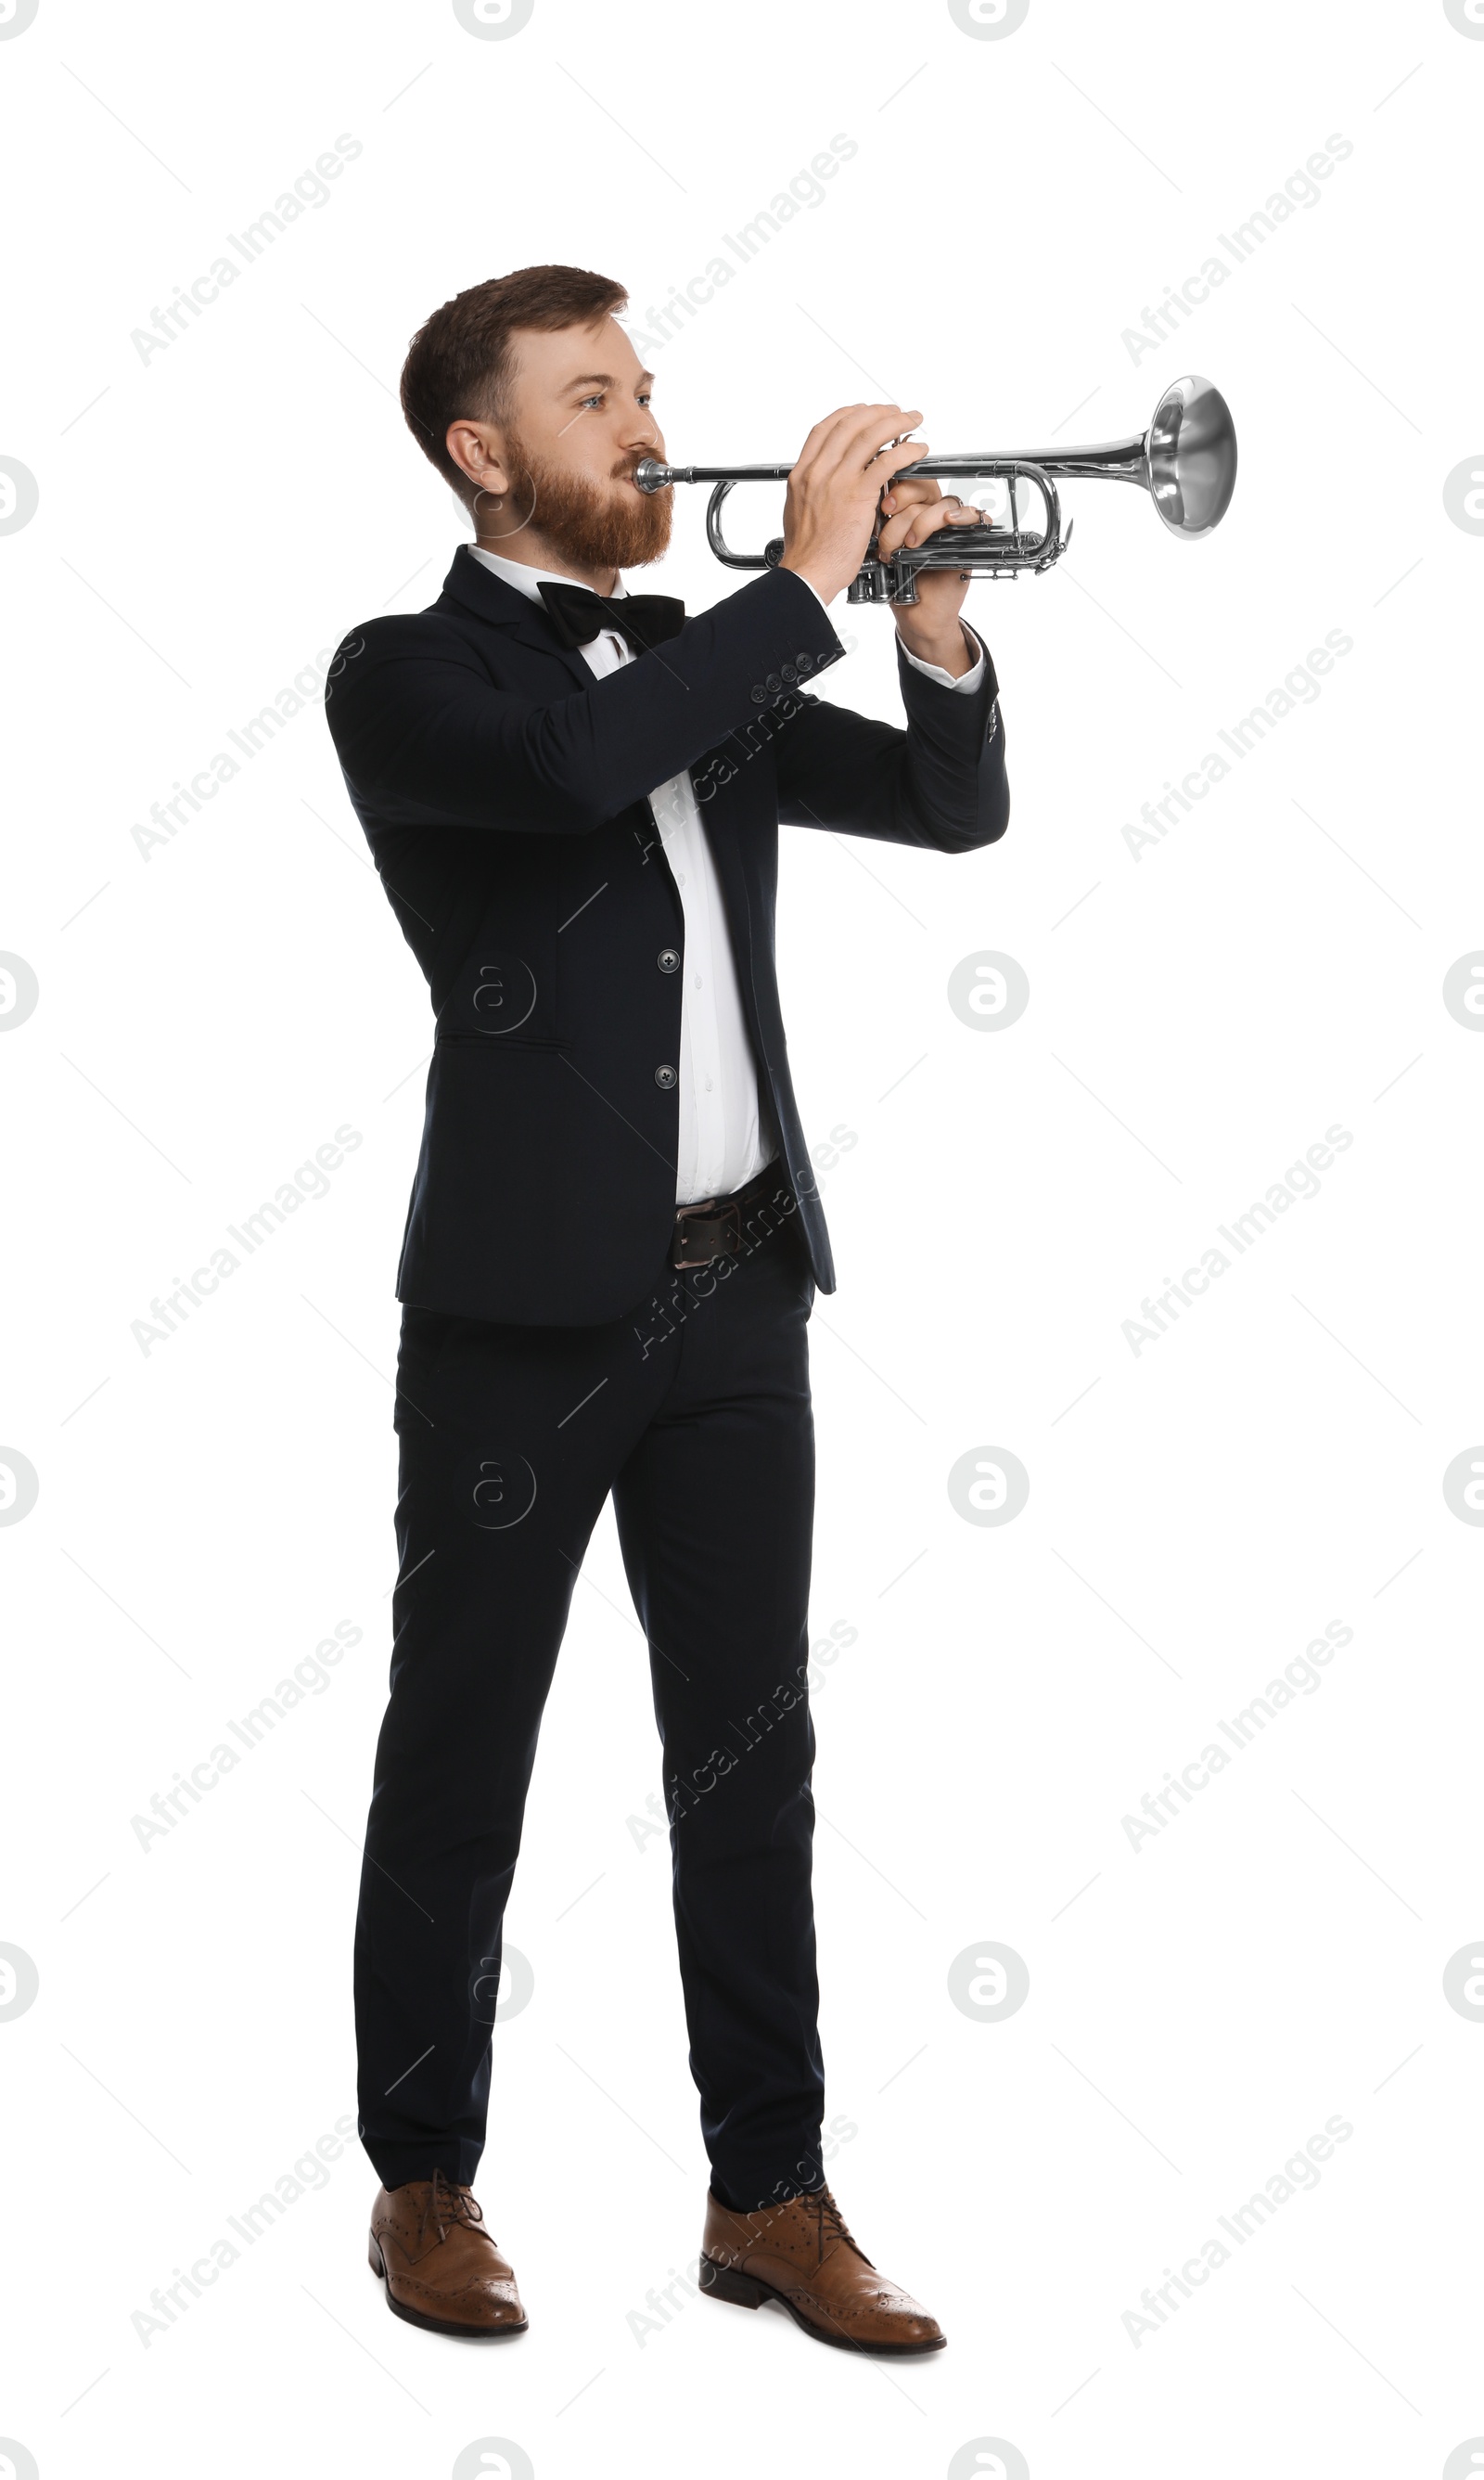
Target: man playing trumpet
pixel 572 796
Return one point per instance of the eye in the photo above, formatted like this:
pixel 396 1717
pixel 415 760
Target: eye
pixel 586 402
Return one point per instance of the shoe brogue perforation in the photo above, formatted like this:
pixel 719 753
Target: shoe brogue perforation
pixel 439 2262
pixel 803 2254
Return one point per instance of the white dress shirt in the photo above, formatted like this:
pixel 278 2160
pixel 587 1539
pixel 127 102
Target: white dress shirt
pixel 727 1132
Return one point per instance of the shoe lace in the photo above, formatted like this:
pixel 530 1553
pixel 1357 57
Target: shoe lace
pixel 446 2206
pixel 829 2224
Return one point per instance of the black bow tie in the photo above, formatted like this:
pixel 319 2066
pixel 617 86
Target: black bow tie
pixel 642 620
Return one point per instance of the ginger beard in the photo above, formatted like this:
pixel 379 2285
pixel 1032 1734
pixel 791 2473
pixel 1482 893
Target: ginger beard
pixel 592 525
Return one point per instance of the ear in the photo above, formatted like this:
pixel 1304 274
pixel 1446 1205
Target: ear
pixel 477 451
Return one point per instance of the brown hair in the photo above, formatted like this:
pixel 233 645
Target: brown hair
pixel 459 363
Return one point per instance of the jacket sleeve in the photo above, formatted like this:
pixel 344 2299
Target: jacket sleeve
pixel 941 783
pixel 424 739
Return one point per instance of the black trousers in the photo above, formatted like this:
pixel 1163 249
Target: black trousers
pixel 694 1411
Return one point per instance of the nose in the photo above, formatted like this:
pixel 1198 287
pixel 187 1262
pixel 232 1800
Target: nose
pixel 641 434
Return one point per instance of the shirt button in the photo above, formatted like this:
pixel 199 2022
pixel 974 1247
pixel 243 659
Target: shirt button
pixel 679 878
pixel 668 960
pixel 664 1078
pixel 708 1084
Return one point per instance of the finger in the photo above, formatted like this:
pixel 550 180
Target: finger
pixel 908 455
pixel 833 439
pixel 902 492
pixel 903 501
pixel 871 432
pixel 893 453
pixel 895 526
pixel 821 430
pixel 916 523
pixel 946 518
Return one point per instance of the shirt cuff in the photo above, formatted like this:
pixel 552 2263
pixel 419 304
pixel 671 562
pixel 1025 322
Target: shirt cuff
pixel 970 680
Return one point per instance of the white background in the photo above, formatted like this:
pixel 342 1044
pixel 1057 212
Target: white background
pixel 1199 1016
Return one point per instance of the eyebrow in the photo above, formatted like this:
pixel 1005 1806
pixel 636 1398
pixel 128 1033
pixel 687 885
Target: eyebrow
pixel 601 378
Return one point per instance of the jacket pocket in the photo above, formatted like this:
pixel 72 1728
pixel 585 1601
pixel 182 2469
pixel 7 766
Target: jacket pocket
pixel 499 1042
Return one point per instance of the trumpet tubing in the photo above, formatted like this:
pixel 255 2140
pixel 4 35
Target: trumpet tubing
pixel 1186 461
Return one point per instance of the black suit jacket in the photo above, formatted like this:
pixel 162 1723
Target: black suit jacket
pixel 503 794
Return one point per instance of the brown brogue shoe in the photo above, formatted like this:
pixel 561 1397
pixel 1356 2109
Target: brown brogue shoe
pixel 801 2254
pixel 439 2265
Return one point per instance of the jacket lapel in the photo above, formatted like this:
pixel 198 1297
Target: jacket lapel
pixel 480 590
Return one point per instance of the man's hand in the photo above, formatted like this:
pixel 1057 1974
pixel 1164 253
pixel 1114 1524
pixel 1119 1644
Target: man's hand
pixel 912 511
pixel 834 488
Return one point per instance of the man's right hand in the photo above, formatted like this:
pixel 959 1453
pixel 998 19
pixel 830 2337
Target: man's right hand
pixel 844 466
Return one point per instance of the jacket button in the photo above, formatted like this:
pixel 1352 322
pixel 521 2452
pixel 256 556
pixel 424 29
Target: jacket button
pixel 669 960
pixel 664 1077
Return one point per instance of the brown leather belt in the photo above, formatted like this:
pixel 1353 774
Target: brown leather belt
pixel 715 1227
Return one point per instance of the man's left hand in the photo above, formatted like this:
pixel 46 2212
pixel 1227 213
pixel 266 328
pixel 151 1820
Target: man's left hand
pixel 912 511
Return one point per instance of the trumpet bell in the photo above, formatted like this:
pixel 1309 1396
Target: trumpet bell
pixel 1190 450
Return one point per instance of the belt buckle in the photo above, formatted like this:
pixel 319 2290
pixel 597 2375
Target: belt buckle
pixel 706 1208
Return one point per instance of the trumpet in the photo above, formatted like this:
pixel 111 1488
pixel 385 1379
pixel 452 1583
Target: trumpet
pixel 1186 460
